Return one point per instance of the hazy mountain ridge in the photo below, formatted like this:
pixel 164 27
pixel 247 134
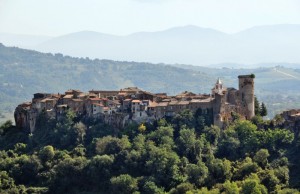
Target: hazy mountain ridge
pixel 184 45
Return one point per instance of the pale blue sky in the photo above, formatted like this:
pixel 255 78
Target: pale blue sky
pixel 121 17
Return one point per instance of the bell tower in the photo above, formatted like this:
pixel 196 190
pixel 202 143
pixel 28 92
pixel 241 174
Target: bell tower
pixel 218 89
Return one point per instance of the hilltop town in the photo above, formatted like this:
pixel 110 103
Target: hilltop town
pixel 132 104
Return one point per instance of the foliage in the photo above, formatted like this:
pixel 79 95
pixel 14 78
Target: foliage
pixel 75 155
pixel 263 110
pixel 256 107
pixel 142 128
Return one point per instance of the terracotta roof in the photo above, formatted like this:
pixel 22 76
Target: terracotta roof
pixel 149 93
pixel 62 106
pixel 47 99
pixel 136 101
pixel 82 95
pixel 295 115
pixel 68 96
pixel 183 102
pixel 206 100
pixel 56 95
pixel 195 100
pixel 105 108
pixel 152 104
pixel 173 103
pixel 126 100
pixel 162 104
pixel 26 104
pixel 116 102
pixel 103 91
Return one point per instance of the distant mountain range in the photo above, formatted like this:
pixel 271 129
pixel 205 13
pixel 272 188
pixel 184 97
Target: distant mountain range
pixel 194 45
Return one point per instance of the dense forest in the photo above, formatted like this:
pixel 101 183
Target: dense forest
pixel 173 155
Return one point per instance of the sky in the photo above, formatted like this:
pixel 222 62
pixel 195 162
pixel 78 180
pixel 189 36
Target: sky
pixel 122 17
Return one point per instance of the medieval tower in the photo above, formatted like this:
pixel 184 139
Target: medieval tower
pixel 107 106
pixel 246 95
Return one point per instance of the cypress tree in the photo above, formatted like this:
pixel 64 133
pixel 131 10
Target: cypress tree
pixel 263 110
pixel 256 107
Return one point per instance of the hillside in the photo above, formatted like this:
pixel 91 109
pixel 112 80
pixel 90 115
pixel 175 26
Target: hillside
pixel 24 72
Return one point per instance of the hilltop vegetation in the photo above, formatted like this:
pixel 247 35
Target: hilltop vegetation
pixel 177 155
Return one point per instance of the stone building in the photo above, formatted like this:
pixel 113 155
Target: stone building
pixel 134 104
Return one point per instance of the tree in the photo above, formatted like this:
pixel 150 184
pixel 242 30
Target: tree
pixel 212 134
pixel 182 188
pixel 219 171
pixel 124 184
pixel 261 157
pixel 263 110
pixel 46 153
pixel 186 143
pixel 142 128
pixel 288 191
pixel 197 173
pixel 245 168
pixel 231 188
pixel 111 145
pixel 100 170
pixel 163 136
pixel 80 130
pixel 184 118
pixel 5 126
pixel 20 148
pixel 150 187
pixel 278 120
pixel 252 186
pixel 69 176
pixel 257 120
pixel 7 184
pixel 269 180
pixel 257 110
pixel 163 164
